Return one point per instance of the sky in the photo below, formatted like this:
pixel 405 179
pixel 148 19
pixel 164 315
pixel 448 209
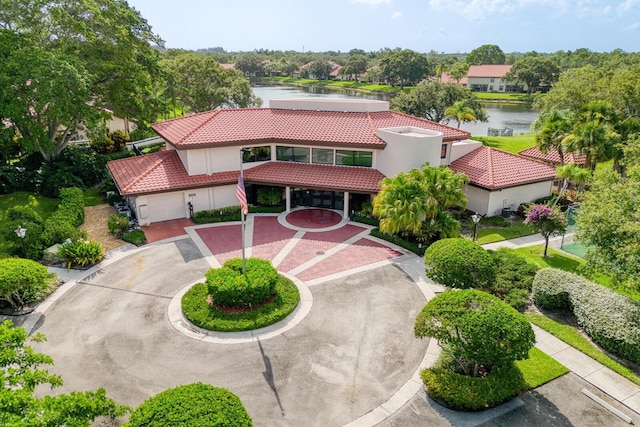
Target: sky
pixel 444 26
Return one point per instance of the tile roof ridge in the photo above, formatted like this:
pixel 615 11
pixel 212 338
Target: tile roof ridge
pixel 490 166
pixel 428 121
pixel 202 113
pixel 213 113
pixel 162 156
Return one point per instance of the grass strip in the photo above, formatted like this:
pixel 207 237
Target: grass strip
pixel 540 368
pixel 574 338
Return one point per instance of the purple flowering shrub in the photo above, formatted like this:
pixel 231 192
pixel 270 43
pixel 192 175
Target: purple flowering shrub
pixel 547 221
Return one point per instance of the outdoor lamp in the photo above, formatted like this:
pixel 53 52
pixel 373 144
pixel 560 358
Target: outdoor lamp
pixel 21 232
pixel 476 219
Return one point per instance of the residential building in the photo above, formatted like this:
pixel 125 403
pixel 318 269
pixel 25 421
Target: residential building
pixel 487 78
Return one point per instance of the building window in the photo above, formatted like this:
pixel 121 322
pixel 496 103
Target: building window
pixel 501 88
pixel 443 151
pixel 354 158
pixel 322 156
pixel 293 154
pixel 257 154
pixel 492 80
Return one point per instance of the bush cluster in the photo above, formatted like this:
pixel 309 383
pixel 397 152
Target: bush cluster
pixel 191 405
pixel 459 263
pixel 61 225
pixel 514 278
pixel 136 237
pixel 64 222
pixel 118 225
pixel 270 196
pixel 228 287
pixel 462 392
pixel 610 319
pixel 413 247
pixel 81 252
pixel 23 281
pixel 201 314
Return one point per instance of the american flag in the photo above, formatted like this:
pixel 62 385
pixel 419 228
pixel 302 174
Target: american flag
pixel 241 195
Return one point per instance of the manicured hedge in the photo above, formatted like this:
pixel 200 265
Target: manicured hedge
pixel 398 241
pixel 200 313
pixel 459 263
pixel 191 405
pixel 66 219
pixel 461 392
pixel 228 287
pixel 365 219
pixel 610 319
pixel 23 281
pixel 231 213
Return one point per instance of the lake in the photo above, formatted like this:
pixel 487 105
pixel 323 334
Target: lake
pixel 515 116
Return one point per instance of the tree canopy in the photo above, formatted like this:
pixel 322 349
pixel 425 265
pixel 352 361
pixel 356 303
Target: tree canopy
pixel 430 100
pixel 486 54
pixel 535 70
pixel 404 67
pixel 21 372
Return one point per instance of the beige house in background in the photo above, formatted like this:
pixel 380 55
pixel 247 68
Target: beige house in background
pixel 487 78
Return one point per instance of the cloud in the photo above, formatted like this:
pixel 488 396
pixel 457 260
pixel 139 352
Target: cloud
pixel 477 10
pixel 396 14
pixel 372 2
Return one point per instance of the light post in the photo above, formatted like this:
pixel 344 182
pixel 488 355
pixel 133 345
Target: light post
pixel 476 217
pixel 21 232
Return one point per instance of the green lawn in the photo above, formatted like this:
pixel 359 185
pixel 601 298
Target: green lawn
pixel 574 338
pixel 555 259
pixel 511 144
pixel 498 234
pixel 43 205
pixel 94 197
pixel 518 97
pixel 540 368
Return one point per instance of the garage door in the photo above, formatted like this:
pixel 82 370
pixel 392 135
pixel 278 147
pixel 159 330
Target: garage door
pixel 163 207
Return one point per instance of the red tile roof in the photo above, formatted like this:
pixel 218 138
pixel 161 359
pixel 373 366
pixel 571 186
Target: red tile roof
pixel 482 71
pixel 343 178
pixel 163 171
pixel 261 125
pixel 493 169
pixel 553 157
pixel 160 172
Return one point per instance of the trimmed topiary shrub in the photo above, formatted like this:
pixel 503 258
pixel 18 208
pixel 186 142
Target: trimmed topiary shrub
pixel 228 287
pixel 191 405
pixel 64 222
pixel 610 319
pixel 459 263
pixel 23 281
pixel 465 393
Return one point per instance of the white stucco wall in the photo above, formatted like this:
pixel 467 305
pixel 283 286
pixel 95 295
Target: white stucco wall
pixel 492 202
pixel 407 148
pixel 462 148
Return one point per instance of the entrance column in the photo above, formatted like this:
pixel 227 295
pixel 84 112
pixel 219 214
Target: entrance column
pixel 287 197
pixel 345 205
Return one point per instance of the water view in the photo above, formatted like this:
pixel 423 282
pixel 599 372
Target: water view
pixel 515 116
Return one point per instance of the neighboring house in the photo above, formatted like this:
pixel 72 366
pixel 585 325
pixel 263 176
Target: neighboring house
pixel 499 180
pixel 333 74
pixel 322 152
pixel 487 78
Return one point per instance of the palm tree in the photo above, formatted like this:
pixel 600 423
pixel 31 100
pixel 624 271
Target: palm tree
pixel 461 111
pixel 416 199
pixel 571 173
pixel 553 129
pixel 594 134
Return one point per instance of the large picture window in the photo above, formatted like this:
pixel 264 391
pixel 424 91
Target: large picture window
pixel 293 154
pixel 257 154
pixel 322 156
pixel 354 158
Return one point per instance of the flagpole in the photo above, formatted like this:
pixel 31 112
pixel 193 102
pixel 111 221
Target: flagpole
pixel 242 217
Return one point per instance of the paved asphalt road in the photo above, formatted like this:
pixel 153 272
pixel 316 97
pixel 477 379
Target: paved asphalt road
pixel 350 354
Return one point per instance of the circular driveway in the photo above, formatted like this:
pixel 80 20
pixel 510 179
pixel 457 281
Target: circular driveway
pixel 349 355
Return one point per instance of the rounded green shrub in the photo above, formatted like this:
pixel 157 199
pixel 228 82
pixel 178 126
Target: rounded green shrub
pixel 459 263
pixel 191 405
pixel 81 252
pixel 477 330
pixel 23 281
pixel 228 287
pixel 514 278
pixel 462 392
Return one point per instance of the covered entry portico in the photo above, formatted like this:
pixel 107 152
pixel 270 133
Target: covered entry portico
pixel 320 186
